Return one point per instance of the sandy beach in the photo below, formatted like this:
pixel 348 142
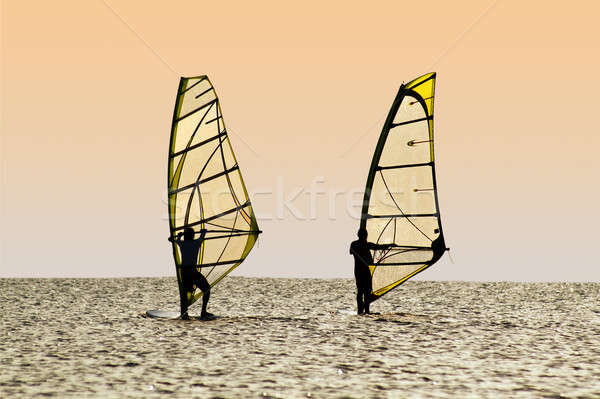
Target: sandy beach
pixel 286 338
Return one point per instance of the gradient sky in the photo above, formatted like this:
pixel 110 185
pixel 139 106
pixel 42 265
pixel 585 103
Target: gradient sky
pixel 88 89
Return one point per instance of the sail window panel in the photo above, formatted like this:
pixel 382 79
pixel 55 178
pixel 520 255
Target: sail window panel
pixel 416 231
pixel 189 102
pixel 213 164
pixel 188 207
pixel 407 256
pixel 193 129
pixel 181 137
pixel 393 192
pixel 385 276
pixel 212 250
pixel 238 190
pixel 410 110
pixel 223 249
pixel 381 230
pixel 233 220
pixel 406 145
pixel 243 221
pixel 227 221
pixel 235 248
pixel 217 198
pixel 213 274
pixel 195 160
pixel 204 131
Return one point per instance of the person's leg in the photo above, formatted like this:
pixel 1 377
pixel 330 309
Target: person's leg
pixel 205 298
pixel 359 295
pixel 367 303
pixel 202 283
pixel 359 301
pixel 368 289
pixel 184 304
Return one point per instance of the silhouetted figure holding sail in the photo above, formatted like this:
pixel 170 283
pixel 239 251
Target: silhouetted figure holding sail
pixel 191 278
pixel 361 250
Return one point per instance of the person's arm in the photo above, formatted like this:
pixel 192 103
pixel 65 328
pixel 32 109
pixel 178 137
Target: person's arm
pixel 202 235
pixel 176 238
pixel 379 246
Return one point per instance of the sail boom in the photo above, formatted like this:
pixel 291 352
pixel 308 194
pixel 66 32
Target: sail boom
pixel 400 264
pixel 212 264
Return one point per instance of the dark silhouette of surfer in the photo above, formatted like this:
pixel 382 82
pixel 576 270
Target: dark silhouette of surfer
pixel 361 250
pixel 191 278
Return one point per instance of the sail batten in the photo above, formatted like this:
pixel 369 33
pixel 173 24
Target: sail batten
pixel 205 185
pixel 400 205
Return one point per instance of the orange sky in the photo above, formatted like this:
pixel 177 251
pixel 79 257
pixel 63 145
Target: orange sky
pixel 87 96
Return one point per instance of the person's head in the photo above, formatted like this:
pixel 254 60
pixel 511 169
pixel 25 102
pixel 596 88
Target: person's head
pixel 362 234
pixel 188 233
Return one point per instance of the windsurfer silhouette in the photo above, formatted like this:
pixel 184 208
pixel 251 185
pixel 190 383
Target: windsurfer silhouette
pixel 361 250
pixel 191 278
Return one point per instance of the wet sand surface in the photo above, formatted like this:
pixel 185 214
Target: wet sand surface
pixel 299 338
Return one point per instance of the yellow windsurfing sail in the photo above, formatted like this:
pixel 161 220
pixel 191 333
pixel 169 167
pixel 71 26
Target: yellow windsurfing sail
pixel 206 189
pixel 401 204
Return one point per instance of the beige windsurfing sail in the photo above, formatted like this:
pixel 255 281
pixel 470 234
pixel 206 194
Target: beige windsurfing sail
pixel 205 186
pixel 401 203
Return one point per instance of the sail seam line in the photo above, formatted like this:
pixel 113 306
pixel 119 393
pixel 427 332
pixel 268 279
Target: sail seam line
pixel 203 93
pixel 227 212
pixel 176 154
pixel 204 180
pixel 194 85
pixel 196 110
pixel 214 119
pixel 426 118
pixel 404 166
